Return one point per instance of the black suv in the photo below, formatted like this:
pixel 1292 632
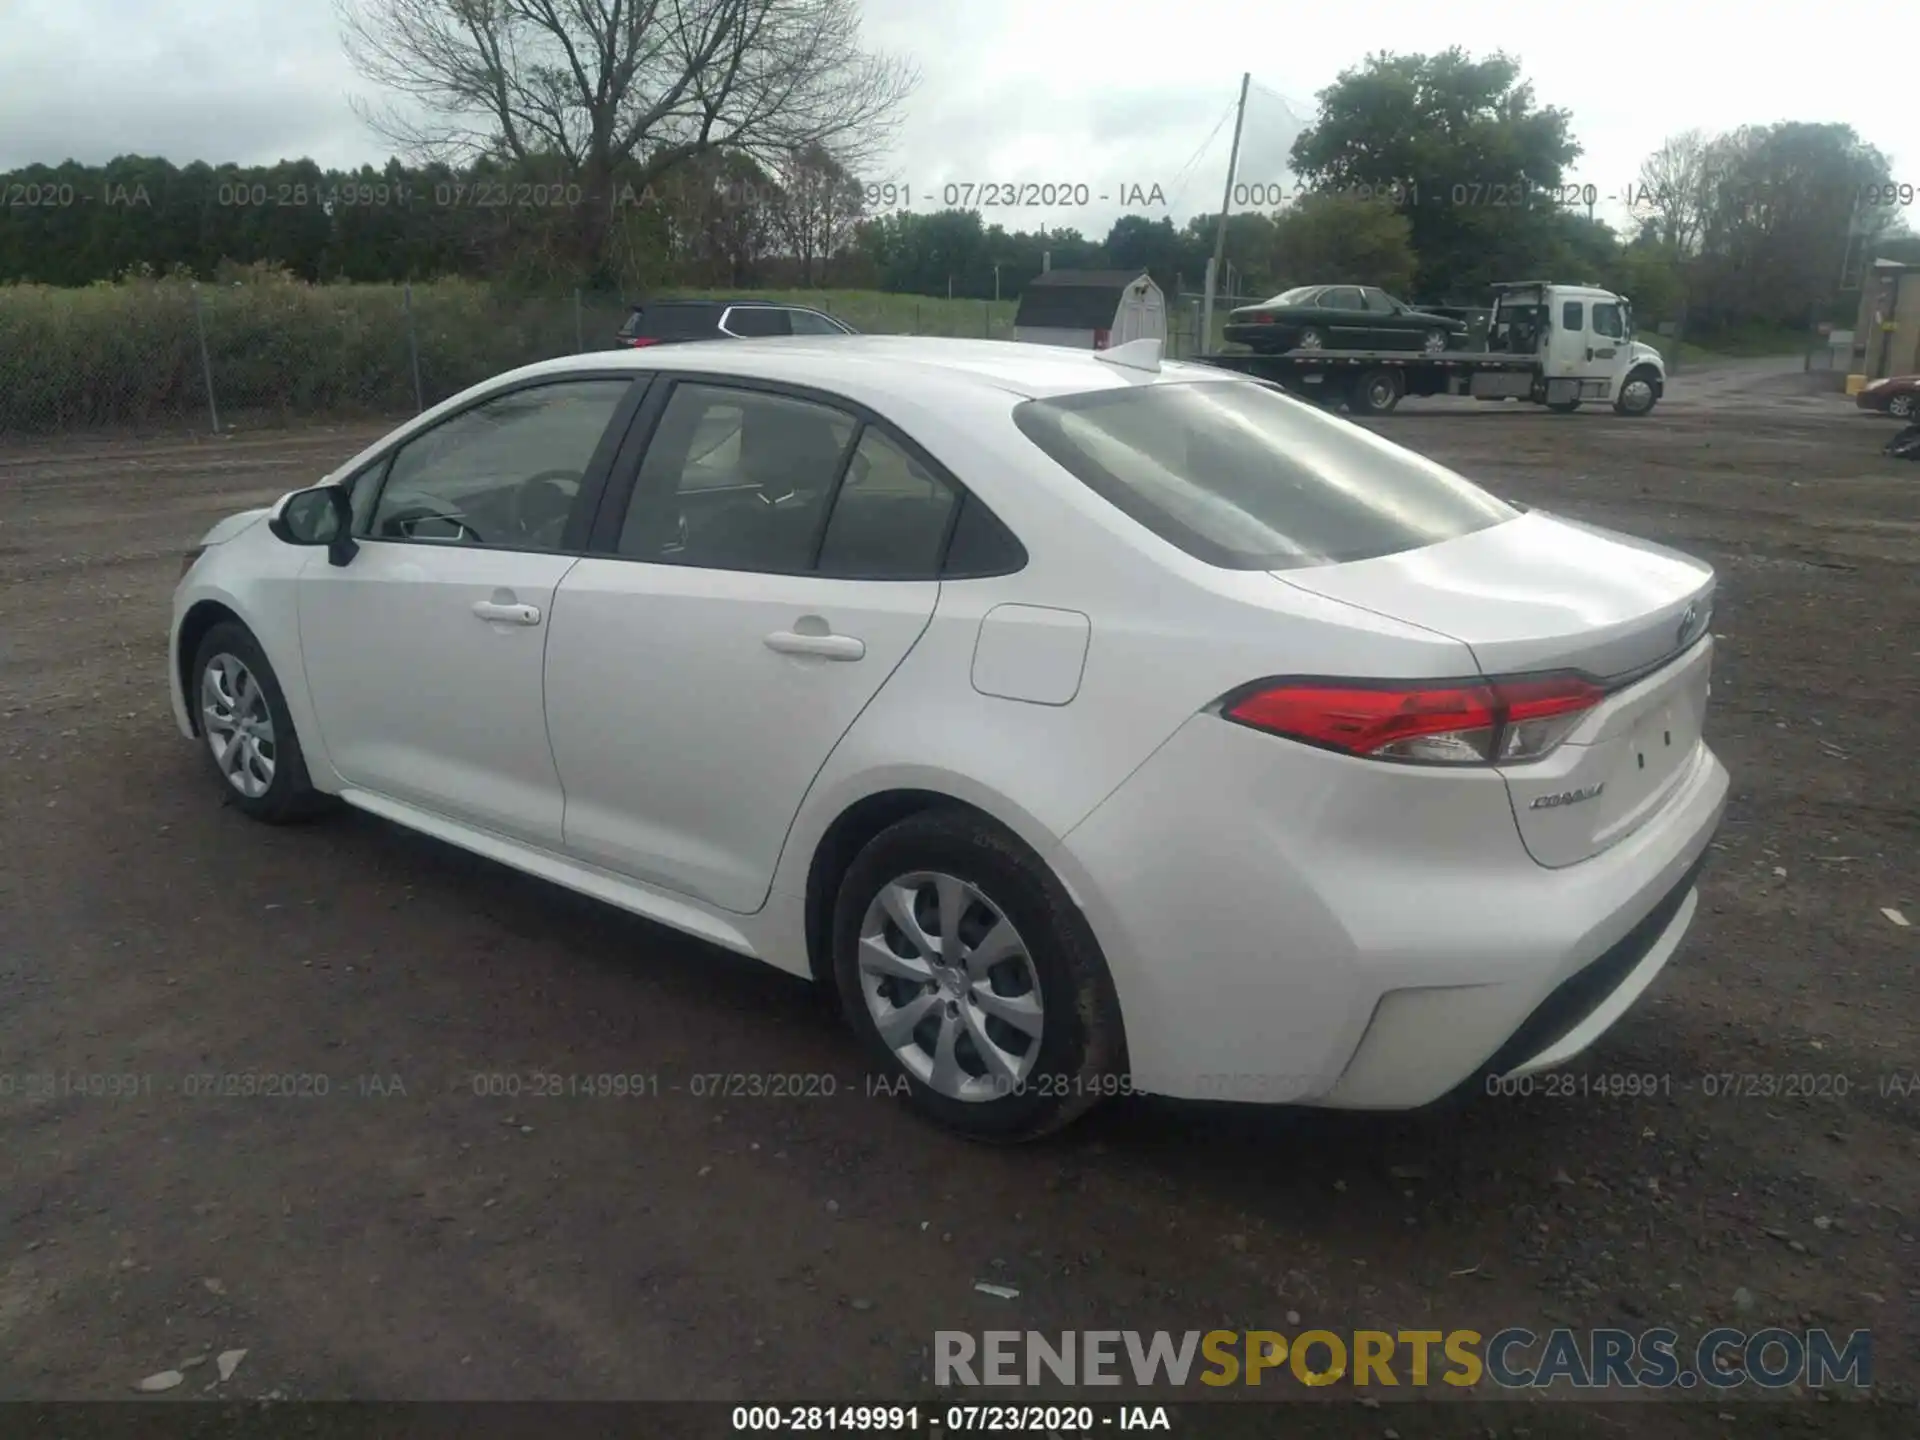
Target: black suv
pixel 668 322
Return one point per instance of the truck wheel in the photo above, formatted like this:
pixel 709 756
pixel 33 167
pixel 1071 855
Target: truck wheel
pixel 1637 393
pixel 1310 339
pixel 1375 392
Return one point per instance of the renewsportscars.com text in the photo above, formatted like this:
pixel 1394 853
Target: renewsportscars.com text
pixel 1514 1358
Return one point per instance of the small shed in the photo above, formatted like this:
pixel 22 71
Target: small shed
pixel 1090 309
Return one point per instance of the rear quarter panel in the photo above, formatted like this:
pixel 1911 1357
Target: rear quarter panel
pixel 1168 635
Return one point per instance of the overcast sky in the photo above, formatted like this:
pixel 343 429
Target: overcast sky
pixel 1078 91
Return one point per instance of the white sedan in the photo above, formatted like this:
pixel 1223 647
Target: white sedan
pixel 1094 725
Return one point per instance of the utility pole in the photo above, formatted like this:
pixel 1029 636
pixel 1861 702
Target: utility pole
pixel 1226 199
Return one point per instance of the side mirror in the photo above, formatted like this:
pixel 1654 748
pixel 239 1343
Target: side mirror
pixel 320 516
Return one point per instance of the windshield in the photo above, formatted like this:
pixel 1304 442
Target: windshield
pixel 1241 476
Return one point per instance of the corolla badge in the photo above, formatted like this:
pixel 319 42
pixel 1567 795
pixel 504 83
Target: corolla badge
pixel 1567 797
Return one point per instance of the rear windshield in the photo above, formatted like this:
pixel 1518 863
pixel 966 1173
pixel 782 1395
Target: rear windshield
pixel 1241 476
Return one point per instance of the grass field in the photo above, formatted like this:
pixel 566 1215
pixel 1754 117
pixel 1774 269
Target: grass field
pixel 131 353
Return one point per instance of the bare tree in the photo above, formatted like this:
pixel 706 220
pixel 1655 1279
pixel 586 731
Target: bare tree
pixel 819 202
pixel 1674 189
pixel 619 92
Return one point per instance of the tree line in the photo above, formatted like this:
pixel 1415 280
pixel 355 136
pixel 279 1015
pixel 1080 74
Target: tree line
pixel 1431 176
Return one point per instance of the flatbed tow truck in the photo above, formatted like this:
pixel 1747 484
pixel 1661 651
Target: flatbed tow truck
pixel 1554 345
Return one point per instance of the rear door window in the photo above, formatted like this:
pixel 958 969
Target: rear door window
pixel 1241 476
pixel 749 320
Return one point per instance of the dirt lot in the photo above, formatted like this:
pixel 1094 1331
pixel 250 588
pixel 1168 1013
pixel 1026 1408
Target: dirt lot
pixel 404 1237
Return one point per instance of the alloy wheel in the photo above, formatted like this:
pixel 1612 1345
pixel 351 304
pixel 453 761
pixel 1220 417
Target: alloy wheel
pixel 1636 396
pixel 951 986
pixel 238 724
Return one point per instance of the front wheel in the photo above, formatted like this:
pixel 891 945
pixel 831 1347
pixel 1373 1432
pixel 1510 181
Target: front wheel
pixel 1435 342
pixel 1902 407
pixel 1638 394
pixel 973 979
pixel 244 722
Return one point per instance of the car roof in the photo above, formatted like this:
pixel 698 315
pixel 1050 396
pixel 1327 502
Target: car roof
pixel 874 368
pixel 678 303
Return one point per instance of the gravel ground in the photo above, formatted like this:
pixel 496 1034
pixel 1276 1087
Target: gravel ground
pixel 404 1237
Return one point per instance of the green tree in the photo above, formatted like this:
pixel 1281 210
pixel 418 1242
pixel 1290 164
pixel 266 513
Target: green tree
pixel 1335 237
pixel 1463 147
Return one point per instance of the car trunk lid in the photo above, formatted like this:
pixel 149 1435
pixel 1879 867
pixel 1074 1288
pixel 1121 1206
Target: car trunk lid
pixel 1540 593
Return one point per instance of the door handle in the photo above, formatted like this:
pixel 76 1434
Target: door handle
pixel 827 647
pixel 509 614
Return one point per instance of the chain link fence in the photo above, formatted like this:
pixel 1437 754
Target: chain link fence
pixel 172 355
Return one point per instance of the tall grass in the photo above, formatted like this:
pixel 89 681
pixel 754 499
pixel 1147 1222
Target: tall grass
pixel 128 354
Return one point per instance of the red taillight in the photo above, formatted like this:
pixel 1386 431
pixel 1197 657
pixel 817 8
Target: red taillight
pixel 1100 339
pixel 1477 722
pixel 1263 319
pixel 634 342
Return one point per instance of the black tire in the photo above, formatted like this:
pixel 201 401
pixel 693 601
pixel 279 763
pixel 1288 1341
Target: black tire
pixel 1310 338
pixel 290 796
pixel 1435 342
pixel 1642 383
pixel 1903 407
pixel 1081 1048
pixel 1376 391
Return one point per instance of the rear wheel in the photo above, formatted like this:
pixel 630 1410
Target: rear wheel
pixel 1375 392
pixel 247 730
pixel 1310 339
pixel 972 977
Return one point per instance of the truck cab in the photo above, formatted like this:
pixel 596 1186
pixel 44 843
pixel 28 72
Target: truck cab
pixel 1581 340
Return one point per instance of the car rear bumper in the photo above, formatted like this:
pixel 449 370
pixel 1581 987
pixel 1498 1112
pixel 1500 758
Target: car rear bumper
pixel 1290 925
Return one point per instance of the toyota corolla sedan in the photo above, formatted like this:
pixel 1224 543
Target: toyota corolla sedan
pixel 1090 724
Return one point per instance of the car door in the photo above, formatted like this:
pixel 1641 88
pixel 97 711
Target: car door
pixel 1386 329
pixel 423 653
pixel 1348 325
pixel 1607 338
pixel 773 561
pixel 1570 346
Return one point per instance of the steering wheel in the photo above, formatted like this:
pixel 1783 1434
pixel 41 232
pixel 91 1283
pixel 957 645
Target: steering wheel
pixel 399 524
pixel 542 502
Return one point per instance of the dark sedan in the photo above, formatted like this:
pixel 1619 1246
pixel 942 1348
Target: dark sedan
pixel 1897 395
pixel 1340 317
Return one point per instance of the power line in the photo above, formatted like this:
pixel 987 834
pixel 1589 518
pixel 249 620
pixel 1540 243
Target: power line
pixel 1185 176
